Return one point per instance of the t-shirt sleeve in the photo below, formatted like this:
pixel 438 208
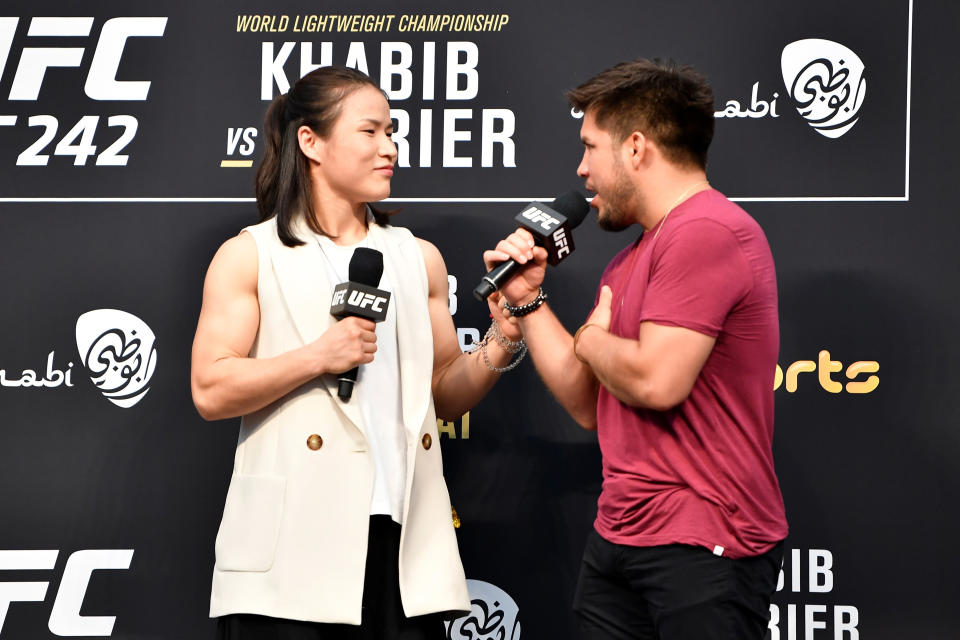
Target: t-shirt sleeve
pixel 698 274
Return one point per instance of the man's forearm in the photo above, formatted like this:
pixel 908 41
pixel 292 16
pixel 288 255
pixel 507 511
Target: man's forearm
pixel 614 362
pixel 657 371
pixel 571 381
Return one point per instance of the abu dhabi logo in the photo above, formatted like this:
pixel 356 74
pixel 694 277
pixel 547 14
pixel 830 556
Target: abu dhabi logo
pixel 493 615
pixel 118 350
pixel 825 80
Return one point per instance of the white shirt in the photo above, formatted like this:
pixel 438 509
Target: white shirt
pixel 378 391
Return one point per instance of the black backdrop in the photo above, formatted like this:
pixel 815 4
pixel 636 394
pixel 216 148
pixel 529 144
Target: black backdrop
pixel 109 511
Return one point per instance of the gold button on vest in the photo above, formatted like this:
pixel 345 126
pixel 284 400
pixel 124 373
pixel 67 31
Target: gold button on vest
pixel 427 441
pixel 314 442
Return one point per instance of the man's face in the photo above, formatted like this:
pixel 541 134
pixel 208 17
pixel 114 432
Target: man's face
pixel 603 169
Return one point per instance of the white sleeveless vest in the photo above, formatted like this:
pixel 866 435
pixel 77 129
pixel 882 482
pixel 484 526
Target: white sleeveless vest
pixel 293 539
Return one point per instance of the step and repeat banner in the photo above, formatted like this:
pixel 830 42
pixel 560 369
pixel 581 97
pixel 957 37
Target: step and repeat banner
pixel 129 138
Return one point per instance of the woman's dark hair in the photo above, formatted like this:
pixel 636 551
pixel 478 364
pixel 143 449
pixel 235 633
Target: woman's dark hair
pixel 283 183
pixel 670 103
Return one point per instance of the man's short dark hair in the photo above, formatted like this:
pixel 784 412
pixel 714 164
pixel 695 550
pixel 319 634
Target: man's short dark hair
pixel 671 104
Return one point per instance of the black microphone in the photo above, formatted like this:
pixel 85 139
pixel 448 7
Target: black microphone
pixel 551 227
pixel 360 297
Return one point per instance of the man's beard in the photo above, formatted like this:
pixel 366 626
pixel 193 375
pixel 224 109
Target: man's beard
pixel 614 213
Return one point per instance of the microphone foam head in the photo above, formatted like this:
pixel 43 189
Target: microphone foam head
pixel 573 205
pixel 366 266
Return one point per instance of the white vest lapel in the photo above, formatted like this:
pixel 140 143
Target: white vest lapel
pixel 303 282
pixel 403 260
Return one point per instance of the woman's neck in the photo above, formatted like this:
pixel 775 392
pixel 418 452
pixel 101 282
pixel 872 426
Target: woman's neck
pixel 344 222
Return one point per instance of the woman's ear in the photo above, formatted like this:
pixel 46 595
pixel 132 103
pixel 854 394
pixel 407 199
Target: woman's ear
pixel 311 145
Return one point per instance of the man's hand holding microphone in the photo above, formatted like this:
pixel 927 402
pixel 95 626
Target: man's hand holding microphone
pixel 517 266
pixel 524 287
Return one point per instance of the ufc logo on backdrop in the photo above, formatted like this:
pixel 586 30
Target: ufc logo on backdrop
pixel 101 83
pixel 65 618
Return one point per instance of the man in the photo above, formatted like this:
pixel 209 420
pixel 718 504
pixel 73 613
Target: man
pixel 674 368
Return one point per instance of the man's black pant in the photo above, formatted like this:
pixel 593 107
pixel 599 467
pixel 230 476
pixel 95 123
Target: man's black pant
pixel 673 592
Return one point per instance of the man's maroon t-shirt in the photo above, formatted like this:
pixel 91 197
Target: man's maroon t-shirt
pixel 701 473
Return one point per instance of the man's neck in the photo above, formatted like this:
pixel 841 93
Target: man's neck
pixel 667 191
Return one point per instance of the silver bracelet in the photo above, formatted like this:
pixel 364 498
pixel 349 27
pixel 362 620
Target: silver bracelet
pixel 510 346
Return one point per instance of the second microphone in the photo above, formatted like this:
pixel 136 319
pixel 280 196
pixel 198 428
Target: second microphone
pixel 551 226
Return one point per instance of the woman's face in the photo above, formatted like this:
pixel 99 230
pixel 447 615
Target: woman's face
pixel 356 160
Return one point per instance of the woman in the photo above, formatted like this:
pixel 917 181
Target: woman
pixel 337 522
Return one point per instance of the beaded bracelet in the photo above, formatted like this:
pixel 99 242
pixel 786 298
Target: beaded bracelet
pixel 530 307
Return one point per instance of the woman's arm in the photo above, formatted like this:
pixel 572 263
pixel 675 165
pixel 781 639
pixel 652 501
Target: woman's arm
pixel 224 380
pixel 460 379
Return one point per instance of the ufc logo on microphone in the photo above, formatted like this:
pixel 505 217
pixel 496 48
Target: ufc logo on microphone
pixel 560 242
pixel 101 83
pixel 365 300
pixel 540 217
pixel 356 299
pixel 65 618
